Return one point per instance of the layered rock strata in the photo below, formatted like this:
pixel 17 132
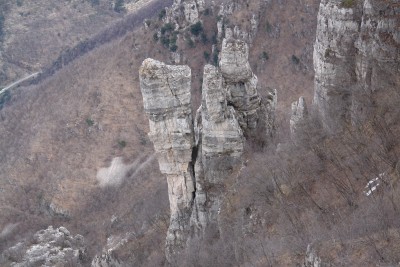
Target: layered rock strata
pixel 106 260
pixel 198 155
pixel 240 82
pixel 377 58
pixel 337 30
pixel 167 102
pixel 220 145
pixel 356 54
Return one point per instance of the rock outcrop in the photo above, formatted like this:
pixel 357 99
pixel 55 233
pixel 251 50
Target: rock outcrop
pixel 231 109
pixel 115 243
pixel 50 247
pixel 220 145
pixel 197 156
pixel 234 62
pixel 311 259
pixel 377 58
pixel 167 102
pixel 356 54
pixel 241 85
pixel 184 13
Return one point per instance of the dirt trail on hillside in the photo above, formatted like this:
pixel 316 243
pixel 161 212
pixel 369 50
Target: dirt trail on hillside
pixel 10 86
pixel 117 30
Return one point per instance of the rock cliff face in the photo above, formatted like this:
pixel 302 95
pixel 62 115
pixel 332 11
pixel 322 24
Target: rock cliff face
pixel 220 145
pixel 198 155
pixel 240 82
pixel 166 98
pixel 377 58
pixel 356 54
pixel 50 247
pixel 184 12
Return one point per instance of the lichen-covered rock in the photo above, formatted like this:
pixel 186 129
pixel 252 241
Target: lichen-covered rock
pixel 234 62
pixel 377 58
pixel 167 102
pixel 241 86
pixel 201 5
pixel 51 247
pixel 268 110
pixel 244 33
pixel 115 244
pixel 356 54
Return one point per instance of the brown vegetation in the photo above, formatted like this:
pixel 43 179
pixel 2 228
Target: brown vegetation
pixel 57 134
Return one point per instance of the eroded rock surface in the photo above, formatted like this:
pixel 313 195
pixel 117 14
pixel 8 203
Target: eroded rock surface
pixel 234 63
pixel 225 28
pixel 198 155
pixel 166 99
pixel 50 247
pixel 184 13
pixel 377 58
pixel 241 84
pixel 356 54
pixel 220 146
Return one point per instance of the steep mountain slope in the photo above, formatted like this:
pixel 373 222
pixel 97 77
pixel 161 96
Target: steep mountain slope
pixel 35 33
pixel 74 149
pixel 70 127
pixel 60 133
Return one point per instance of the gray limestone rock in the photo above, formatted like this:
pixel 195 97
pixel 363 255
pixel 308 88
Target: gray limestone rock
pixel 51 247
pixel 166 99
pixel 234 62
pixel 184 13
pixel 199 155
pixel 356 55
pixel 246 34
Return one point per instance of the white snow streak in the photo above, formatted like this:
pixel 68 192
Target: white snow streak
pixel 373 184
